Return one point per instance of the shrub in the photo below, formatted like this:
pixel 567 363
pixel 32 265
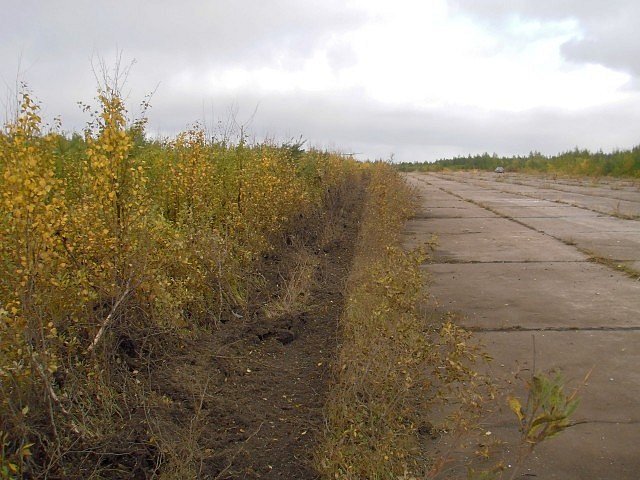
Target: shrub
pixel 112 246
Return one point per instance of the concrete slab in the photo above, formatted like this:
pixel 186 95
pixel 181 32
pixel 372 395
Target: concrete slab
pixel 612 389
pixel 601 235
pixel 497 200
pixel 610 202
pixel 614 191
pixel 599 451
pixel 605 237
pixel 603 245
pixel 435 196
pixel 456 212
pixel 627 194
pixel 584 224
pixel 583 315
pixel 474 224
pixel 551 211
pixel 449 202
pixel 501 245
pixel 634 265
pixel 536 295
pixel 606 205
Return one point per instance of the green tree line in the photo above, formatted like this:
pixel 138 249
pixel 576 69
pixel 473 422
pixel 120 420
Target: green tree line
pixel 619 163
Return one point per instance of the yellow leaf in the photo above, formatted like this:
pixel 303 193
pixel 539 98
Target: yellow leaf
pixel 516 407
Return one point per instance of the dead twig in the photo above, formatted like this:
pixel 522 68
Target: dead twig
pixel 54 397
pixel 237 453
pixel 109 317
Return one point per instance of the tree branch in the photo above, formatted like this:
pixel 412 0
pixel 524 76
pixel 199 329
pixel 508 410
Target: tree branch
pixel 109 317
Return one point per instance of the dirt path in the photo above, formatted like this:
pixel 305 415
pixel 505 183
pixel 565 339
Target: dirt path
pixel 515 259
pixel 255 388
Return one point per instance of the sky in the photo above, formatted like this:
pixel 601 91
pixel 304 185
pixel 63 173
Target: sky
pixel 408 80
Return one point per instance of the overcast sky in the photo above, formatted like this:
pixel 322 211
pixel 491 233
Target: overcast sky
pixel 419 79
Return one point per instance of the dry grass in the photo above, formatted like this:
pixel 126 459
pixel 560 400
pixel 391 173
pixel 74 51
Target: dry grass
pixel 293 296
pixel 613 264
pixel 397 372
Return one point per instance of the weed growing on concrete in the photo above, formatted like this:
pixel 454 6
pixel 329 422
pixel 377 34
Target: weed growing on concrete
pixel 547 412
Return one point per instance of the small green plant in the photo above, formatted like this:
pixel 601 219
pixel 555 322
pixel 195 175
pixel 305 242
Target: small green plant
pixel 548 409
pixel 547 412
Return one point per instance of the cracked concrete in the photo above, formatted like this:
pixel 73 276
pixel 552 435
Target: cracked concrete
pixel 513 263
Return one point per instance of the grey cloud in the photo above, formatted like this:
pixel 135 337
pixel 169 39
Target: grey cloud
pixel 352 122
pixel 222 31
pixel 356 124
pixel 496 10
pixel 610 33
pixel 51 45
pixel 341 56
pixel 613 42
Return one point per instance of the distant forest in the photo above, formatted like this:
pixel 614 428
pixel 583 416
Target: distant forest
pixel 620 163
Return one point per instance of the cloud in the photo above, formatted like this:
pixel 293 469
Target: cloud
pixel 229 32
pixel 422 80
pixel 52 42
pixel 609 33
pixel 496 10
pixel 376 130
pixel 52 45
pixel 614 43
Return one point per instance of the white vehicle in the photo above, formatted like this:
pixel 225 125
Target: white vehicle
pixel 499 170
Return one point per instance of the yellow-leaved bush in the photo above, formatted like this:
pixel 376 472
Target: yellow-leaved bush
pixel 32 259
pixel 108 234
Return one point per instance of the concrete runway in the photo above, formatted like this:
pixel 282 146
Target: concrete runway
pixel 515 259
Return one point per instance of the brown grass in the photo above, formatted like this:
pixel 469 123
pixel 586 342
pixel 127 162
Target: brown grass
pixel 398 373
pixel 295 289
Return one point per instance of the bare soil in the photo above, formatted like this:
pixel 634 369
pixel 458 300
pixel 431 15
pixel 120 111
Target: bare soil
pixel 251 393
